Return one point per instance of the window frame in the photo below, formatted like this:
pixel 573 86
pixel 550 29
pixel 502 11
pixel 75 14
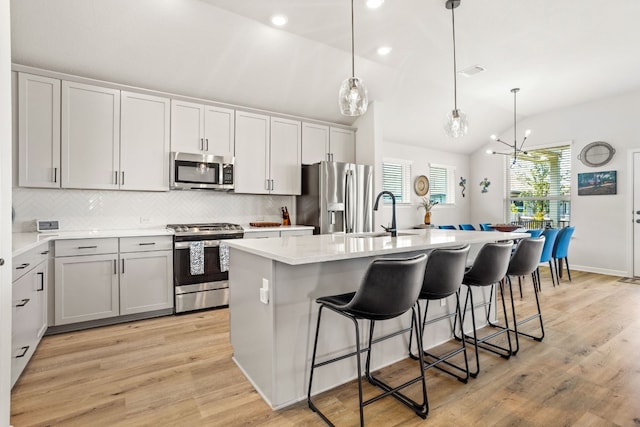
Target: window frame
pixel 405 178
pixel 450 192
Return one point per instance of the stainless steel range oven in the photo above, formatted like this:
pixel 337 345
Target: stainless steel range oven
pixel 208 286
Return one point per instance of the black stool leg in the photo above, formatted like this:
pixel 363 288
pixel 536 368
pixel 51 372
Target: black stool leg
pixel 566 261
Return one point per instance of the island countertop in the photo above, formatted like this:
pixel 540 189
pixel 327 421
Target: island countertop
pixel 331 247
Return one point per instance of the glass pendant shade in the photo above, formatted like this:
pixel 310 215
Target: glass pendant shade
pixel 353 98
pixel 456 124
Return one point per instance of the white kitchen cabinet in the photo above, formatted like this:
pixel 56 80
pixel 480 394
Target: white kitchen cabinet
pixel 203 128
pixel 268 233
pixel 146 274
pixel 320 142
pixel 108 277
pixel 342 145
pixel 90 136
pixel 29 307
pixel 268 154
pixel 144 142
pixel 38 131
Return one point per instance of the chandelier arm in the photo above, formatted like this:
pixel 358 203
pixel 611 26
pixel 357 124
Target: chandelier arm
pixel 521 145
pixel 508 145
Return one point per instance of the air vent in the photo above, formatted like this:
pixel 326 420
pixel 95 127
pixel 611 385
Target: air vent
pixel 474 69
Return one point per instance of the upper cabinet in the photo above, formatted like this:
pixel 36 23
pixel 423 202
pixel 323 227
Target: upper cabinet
pixel 268 154
pixel 320 142
pixel 144 142
pixel 90 136
pixel 203 128
pixel 38 131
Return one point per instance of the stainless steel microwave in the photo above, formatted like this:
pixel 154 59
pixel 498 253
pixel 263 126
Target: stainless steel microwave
pixel 190 171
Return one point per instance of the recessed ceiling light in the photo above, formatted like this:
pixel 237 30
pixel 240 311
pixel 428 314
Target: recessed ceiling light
pixel 374 4
pixel 470 71
pixel 384 50
pixel 278 20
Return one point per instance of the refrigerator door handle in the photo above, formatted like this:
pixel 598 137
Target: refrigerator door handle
pixel 348 205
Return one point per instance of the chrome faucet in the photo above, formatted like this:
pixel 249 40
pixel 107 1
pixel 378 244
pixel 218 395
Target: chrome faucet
pixel 393 230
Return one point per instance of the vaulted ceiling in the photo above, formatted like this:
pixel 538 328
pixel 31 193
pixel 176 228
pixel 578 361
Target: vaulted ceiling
pixel 559 53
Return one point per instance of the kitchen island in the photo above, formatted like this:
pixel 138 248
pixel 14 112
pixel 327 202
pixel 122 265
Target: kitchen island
pixel 273 286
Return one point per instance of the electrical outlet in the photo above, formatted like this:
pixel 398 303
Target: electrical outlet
pixel 443 302
pixel 264 296
pixel 265 283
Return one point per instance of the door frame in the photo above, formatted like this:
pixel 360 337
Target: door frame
pixel 630 224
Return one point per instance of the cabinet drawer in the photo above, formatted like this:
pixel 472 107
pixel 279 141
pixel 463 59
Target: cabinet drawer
pixel 284 233
pixel 262 234
pixel 77 247
pixel 146 243
pixel 25 262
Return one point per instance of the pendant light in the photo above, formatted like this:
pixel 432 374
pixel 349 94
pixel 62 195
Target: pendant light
pixel 352 97
pixel 456 124
pixel 514 149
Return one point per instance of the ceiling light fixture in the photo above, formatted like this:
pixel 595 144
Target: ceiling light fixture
pixel 516 150
pixel 456 124
pixel 352 98
pixel 374 4
pixel 383 50
pixel 279 20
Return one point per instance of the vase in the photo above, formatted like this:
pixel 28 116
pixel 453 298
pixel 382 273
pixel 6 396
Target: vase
pixel 427 217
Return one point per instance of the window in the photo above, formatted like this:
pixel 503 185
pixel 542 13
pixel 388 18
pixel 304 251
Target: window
pixel 441 179
pixel 539 187
pixel 396 178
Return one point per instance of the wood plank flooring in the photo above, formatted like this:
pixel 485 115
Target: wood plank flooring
pixel 177 371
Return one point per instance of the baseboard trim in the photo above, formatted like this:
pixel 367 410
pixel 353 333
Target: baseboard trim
pixel 599 270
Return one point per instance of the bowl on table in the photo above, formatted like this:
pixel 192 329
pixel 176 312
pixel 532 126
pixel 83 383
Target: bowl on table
pixel 505 227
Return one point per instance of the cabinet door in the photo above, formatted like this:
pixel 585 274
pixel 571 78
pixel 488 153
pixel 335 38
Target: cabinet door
pixel 219 126
pixel 187 127
pixel 24 327
pixel 90 136
pixel 144 142
pixel 252 154
pixel 38 131
pixel 342 144
pixel 315 143
pixel 86 288
pixel 146 281
pixel 285 170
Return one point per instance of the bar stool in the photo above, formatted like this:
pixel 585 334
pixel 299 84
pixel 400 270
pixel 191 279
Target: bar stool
pixel 550 234
pixel 390 288
pixel 489 268
pixel 442 278
pixel 524 262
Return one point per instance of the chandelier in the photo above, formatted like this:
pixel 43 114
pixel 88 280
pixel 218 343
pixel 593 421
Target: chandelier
pixel 514 151
pixel 352 98
pixel 456 124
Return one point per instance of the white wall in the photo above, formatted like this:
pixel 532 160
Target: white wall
pixel 600 242
pixel 410 215
pixel 5 213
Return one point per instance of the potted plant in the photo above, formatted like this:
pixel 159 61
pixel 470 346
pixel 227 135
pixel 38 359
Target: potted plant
pixel 427 204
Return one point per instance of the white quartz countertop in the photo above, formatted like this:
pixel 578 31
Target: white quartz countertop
pixel 249 229
pixel 23 242
pixel 331 247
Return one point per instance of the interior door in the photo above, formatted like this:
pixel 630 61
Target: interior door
pixel 636 214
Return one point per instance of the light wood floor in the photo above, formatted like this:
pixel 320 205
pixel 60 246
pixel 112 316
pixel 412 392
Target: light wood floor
pixel 177 371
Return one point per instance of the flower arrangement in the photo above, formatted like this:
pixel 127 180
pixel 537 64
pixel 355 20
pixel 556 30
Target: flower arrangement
pixel 427 204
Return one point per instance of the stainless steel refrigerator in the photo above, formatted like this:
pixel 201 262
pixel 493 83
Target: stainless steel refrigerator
pixel 336 197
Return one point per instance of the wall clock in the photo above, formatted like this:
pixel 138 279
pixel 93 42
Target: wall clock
pixel 596 154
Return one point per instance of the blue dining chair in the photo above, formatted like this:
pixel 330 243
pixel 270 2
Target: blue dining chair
pixel 447 227
pixel 466 227
pixel 561 250
pixel 550 235
pixel 537 232
pixel 485 226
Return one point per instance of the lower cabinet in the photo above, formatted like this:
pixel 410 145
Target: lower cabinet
pixel 28 308
pixel 259 234
pixel 93 281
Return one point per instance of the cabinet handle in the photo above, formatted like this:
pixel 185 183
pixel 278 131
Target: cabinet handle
pixel 122 272
pixel 122 179
pixel 116 175
pixel 266 184
pixel 23 302
pixel 44 253
pixel 88 247
pixel 41 288
pixel 272 185
pixel 201 144
pixel 1 261
pixel 206 141
pixel 22 266
pixel 147 244
pixel 24 349
pixel 55 174
pixel 115 267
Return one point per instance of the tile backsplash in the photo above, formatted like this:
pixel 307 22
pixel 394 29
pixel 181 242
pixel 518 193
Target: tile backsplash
pixel 95 209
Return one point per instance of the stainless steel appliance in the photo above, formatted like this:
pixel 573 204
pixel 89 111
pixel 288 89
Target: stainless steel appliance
pixel 211 288
pixel 336 197
pixel 191 171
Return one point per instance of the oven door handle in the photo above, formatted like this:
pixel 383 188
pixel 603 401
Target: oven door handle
pixel 207 244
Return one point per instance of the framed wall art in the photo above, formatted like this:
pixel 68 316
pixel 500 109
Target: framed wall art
pixel 597 183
